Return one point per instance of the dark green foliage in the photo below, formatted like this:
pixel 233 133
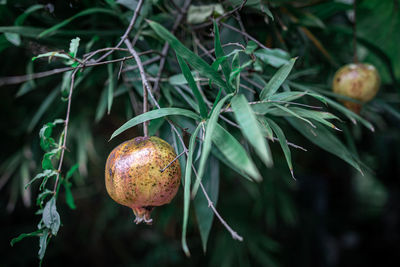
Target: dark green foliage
pixel 248 88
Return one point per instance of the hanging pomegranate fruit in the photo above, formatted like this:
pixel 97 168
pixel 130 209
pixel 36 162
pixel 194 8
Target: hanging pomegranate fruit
pixel 135 176
pixel 359 81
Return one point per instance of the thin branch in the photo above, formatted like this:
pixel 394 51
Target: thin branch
pixel 23 78
pixel 148 88
pixel 244 34
pixel 165 49
pixel 66 123
pixel 227 14
pixel 146 84
pixel 128 30
pixel 169 164
pixel 233 233
pixel 272 139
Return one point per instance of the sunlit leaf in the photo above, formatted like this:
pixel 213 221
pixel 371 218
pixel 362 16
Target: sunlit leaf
pixel 154 114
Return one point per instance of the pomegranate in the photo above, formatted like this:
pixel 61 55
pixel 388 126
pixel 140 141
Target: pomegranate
pixel 135 177
pixel 359 81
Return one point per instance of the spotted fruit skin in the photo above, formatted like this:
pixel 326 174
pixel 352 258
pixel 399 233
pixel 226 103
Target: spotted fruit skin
pixel 134 179
pixel 359 81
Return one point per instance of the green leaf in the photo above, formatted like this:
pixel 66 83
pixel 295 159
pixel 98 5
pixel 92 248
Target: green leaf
pixel 210 128
pixel 80 14
pixel 277 80
pixel 43 241
pixel 235 72
pixel 22 236
pixel 267 131
pixel 265 9
pixel 110 87
pixel 154 114
pixel 194 60
pixel 274 57
pixel 50 216
pixel 319 116
pixel 186 194
pixel 350 114
pixel 250 128
pixel 51 55
pixel 69 198
pixel 71 171
pixel 323 138
pixel 219 53
pixel 21 18
pixel 45 173
pixel 204 214
pixel 292 113
pixel 287 96
pixel 179 79
pixel 234 153
pixel 13 38
pixel 192 84
pixel 283 142
pixel 102 105
pixel 73 46
pixel 46 162
pixel 251 46
pixel 198 14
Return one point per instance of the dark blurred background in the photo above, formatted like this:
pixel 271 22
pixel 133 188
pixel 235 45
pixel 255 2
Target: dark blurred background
pixel 330 216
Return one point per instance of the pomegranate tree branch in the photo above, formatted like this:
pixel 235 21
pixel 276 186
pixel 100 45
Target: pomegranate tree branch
pixel 23 78
pixel 233 233
pixel 66 123
pixel 128 30
pixel 146 84
pixel 165 49
pixel 244 34
pixel 185 150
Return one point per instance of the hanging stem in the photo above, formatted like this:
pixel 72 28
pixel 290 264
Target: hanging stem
pixel 355 56
pixel 145 109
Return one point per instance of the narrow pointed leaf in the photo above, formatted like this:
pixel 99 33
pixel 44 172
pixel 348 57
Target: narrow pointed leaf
pixel 204 214
pixel 186 193
pixel 292 113
pixel 211 125
pixel 80 14
pixel 323 138
pixel 277 80
pixel 234 152
pixel 219 52
pixel 192 84
pixel 110 88
pixel 283 142
pixel 249 126
pixel 154 114
pixel 194 60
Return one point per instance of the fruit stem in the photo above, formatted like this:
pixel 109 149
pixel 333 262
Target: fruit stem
pixel 355 56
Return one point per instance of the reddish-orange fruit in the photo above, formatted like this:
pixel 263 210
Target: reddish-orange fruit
pixel 134 176
pixel 358 81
